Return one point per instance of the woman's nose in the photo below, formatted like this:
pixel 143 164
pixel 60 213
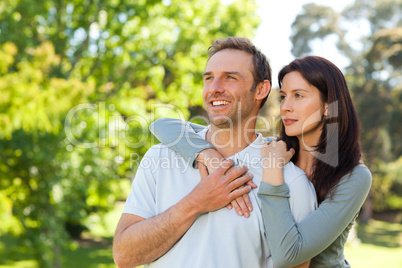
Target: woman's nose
pixel 286 105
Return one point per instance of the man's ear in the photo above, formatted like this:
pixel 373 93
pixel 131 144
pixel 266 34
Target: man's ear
pixel 262 90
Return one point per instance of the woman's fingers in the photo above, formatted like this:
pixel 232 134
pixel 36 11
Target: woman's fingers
pixel 203 170
pixel 243 206
pixel 237 207
pixel 292 151
pixel 251 184
pixel 246 204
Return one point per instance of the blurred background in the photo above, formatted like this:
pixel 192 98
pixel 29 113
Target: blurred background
pixel 81 80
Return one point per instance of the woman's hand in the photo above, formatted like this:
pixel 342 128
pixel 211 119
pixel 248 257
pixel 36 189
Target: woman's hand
pixel 274 155
pixel 212 159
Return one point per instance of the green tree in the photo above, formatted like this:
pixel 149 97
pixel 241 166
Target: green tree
pixel 79 83
pixel 374 74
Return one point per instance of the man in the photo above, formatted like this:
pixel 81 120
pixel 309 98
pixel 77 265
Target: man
pixel 175 215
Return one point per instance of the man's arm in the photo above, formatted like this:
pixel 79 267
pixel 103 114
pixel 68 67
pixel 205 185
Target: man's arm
pixel 138 241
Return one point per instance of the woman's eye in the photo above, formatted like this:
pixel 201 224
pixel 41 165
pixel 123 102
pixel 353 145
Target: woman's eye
pixel 231 77
pixel 281 98
pixel 298 95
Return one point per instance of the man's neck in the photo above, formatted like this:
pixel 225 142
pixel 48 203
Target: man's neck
pixel 229 141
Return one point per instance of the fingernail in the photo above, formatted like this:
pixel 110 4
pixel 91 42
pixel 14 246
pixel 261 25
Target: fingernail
pixel 246 215
pixel 250 208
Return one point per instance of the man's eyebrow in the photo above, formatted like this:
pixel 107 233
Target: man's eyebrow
pixel 227 73
pixel 235 73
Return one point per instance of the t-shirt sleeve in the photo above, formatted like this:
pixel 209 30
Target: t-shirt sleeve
pixel 291 243
pixel 141 200
pixel 180 136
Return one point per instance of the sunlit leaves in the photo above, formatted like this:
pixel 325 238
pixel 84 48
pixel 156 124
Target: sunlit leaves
pixel 80 82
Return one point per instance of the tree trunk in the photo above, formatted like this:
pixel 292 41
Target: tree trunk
pixel 57 257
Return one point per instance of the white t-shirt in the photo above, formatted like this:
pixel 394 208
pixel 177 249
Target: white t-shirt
pixel 220 238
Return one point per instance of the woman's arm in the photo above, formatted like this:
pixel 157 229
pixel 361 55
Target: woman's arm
pixel 292 243
pixel 180 136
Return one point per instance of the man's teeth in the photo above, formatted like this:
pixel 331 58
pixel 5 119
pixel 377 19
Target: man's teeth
pixel 217 103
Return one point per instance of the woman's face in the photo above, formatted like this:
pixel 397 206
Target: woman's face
pixel 301 109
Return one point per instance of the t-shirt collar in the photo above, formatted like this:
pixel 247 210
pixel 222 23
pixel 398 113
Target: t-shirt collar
pixel 249 155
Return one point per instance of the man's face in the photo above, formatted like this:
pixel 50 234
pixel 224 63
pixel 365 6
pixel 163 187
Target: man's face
pixel 227 94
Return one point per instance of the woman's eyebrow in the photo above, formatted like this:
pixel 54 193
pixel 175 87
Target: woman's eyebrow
pixel 294 90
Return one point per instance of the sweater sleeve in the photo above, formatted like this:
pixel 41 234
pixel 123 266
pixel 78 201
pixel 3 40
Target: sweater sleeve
pixel 291 243
pixel 180 136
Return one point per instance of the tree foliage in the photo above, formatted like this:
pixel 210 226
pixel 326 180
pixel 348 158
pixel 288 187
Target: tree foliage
pixel 79 83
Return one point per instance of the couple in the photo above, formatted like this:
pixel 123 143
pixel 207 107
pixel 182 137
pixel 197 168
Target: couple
pixel 175 215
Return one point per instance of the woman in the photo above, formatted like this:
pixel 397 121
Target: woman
pixel 321 129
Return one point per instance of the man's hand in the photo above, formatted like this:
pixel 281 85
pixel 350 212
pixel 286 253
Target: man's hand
pixel 212 159
pixel 219 188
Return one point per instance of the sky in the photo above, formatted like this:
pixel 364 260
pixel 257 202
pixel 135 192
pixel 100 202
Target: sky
pixel 274 31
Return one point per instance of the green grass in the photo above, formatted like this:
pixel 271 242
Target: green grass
pixel 94 251
pixel 91 253
pixel 380 246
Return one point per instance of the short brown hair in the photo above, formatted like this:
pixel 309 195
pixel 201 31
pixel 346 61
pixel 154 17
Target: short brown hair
pixel 262 69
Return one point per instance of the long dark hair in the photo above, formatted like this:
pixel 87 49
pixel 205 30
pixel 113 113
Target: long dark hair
pixel 338 150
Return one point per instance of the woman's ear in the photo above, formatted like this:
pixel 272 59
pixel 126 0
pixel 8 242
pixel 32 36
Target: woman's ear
pixel 325 108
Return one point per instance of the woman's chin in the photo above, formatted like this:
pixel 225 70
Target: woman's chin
pixel 291 133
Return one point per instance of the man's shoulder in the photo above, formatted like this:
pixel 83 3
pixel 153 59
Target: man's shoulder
pixel 269 139
pixel 292 173
pixel 159 149
pixel 158 152
pixel 162 155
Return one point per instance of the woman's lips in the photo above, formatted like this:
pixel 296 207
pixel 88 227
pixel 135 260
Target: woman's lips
pixel 288 122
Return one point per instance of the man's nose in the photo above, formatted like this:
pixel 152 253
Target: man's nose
pixel 216 86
